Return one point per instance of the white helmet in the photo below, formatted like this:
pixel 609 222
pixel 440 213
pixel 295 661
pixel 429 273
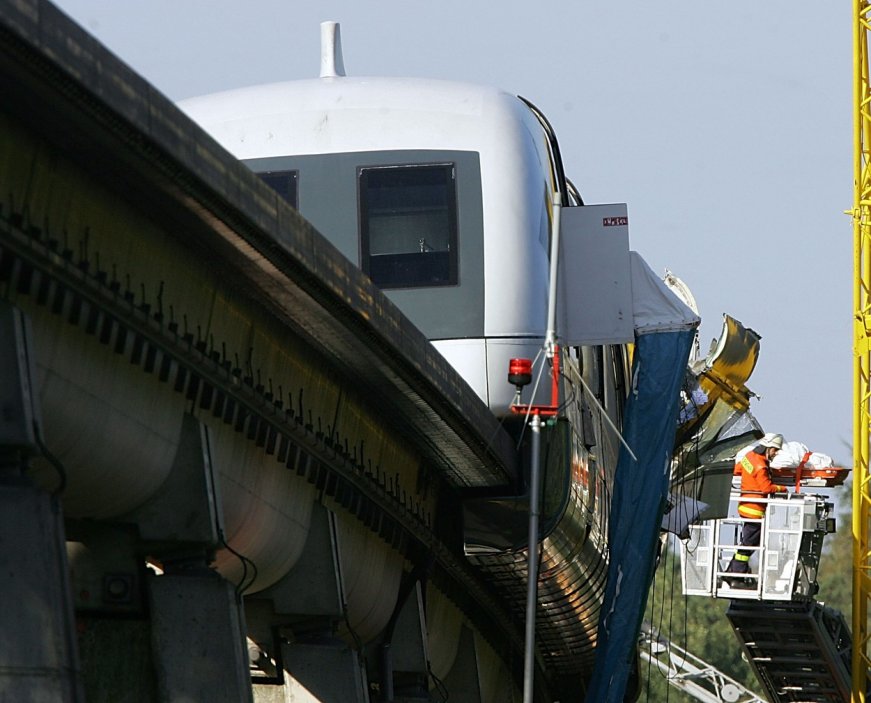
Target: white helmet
pixel 772 441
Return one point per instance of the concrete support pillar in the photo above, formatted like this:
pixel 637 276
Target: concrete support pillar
pixel 198 638
pixel 408 656
pixel 463 682
pixel 309 597
pixel 183 517
pixel 325 671
pixel 198 629
pixel 108 586
pixel 38 655
pixel 307 604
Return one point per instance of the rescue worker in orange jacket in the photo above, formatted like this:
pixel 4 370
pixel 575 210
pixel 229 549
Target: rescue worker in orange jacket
pixel 755 483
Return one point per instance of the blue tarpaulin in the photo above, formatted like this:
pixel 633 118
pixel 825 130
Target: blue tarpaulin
pixel 638 504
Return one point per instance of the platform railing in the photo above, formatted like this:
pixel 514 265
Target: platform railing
pixel 783 566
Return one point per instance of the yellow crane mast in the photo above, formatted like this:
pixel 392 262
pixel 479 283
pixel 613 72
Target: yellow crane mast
pixel 861 345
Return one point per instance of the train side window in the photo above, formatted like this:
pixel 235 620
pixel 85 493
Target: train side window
pixel 408 225
pixel 618 361
pixel 285 183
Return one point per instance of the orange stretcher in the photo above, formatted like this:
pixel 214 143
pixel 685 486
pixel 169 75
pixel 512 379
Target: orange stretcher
pixel 809 477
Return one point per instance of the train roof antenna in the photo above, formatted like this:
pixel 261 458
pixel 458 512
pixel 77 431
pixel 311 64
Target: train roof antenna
pixel 332 63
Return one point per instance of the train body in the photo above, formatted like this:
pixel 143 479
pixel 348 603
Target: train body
pixel 439 191
pixel 443 193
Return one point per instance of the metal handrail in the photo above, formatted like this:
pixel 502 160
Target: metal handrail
pixel 786 558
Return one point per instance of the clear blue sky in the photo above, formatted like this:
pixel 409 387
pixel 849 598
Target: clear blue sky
pixel 726 129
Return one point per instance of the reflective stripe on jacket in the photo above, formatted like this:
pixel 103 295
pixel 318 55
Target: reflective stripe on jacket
pixel 755 483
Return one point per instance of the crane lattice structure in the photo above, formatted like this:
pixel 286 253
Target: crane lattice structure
pixel 690 674
pixel 861 346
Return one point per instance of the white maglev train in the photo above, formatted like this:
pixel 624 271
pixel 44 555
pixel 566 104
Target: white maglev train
pixel 448 182
pixel 443 193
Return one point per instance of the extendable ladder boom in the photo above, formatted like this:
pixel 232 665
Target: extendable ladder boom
pixel 799 650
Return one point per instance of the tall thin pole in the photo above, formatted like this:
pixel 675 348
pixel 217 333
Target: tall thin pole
pixel 861 349
pixel 550 339
pixel 532 561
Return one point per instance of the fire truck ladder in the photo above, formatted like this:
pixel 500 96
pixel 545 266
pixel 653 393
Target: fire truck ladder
pixel 799 649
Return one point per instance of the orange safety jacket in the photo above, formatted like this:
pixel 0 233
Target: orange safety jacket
pixel 755 483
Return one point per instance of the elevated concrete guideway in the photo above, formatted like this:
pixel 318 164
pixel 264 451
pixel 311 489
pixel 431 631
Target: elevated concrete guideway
pixel 90 106
pixel 214 386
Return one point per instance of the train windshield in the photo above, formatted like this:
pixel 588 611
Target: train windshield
pixel 284 183
pixel 408 225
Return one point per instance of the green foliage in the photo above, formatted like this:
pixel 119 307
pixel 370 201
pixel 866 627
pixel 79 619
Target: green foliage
pixel 697 625
pixel 836 565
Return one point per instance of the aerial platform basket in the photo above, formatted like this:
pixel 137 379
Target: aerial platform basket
pixel 788 554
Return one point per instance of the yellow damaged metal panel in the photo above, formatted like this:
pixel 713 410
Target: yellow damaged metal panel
pixel 730 364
